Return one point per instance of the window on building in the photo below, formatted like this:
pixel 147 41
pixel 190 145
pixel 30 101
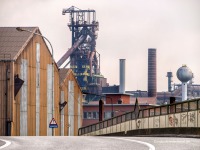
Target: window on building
pixel 89 115
pixel 107 115
pixel 97 115
pixel 94 115
pixel 85 115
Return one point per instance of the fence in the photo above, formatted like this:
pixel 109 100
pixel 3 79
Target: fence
pixel 182 114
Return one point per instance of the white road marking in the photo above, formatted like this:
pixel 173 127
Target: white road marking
pixel 5 145
pixel 151 147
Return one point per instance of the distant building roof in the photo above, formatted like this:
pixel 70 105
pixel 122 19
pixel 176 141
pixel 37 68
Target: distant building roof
pixel 139 93
pixel 63 74
pixel 111 89
pixel 143 100
pixel 12 42
pixel 127 94
pixel 94 103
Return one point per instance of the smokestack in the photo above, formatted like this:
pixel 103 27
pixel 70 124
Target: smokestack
pixel 122 76
pixel 152 83
pixel 169 76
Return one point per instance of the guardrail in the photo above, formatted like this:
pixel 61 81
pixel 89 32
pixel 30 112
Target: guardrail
pixel 170 115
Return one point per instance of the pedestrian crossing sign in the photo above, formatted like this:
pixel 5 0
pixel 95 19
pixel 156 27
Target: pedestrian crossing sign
pixel 53 124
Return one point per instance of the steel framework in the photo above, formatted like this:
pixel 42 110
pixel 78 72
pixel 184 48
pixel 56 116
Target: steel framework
pixel 84 59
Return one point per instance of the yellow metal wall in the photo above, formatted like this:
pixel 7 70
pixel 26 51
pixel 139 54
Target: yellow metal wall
pixel 6 95
pixel 2 98
pixel 29 53
pixel 77 92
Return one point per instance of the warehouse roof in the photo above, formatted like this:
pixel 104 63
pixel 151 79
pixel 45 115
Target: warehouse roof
pixel 12 42
pixel 63 73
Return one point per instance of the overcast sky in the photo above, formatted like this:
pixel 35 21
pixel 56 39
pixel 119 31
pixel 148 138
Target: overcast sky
pixel 127 28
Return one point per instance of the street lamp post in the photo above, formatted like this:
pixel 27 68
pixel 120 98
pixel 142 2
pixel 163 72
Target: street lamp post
pixel 21 29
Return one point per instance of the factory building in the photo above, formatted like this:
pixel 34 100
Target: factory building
pixel 33 90
pixel 191 90
pixel 70 92
pixel 116 100
pixel 174 90
pixel 114 105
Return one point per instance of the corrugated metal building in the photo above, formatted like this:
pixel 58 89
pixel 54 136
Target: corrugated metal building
pixel 71 93
pixel 29 84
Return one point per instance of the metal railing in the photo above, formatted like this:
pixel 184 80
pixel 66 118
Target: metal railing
pixel 179 107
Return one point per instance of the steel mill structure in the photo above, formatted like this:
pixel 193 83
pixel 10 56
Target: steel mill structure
pixel 169 76
pixel 122 76
pixel 84 59
pixel 152 82
pixel 184 74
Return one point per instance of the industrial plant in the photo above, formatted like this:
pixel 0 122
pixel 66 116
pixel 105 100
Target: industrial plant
pixel 84 58
pixel 35 91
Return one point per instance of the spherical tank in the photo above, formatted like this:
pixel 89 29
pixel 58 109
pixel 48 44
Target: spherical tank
pixel 184 74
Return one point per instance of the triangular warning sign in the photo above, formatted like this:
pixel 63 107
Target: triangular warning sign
pixel 53 124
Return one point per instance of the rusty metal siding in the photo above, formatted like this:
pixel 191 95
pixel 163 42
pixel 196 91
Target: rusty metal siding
pixel 2 98
pixel 6 96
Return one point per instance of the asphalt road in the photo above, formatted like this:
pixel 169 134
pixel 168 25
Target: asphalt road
pixel 100 143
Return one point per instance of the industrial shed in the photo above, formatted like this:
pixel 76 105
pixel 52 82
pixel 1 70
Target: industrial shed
pixel 29 83
pixel 71 93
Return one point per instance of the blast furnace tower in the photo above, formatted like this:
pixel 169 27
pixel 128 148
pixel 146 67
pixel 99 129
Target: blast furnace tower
pixel 84 59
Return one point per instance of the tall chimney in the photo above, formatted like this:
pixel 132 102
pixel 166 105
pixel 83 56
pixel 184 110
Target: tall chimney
pixel 122 76
pixel 152 83
pixel 169 75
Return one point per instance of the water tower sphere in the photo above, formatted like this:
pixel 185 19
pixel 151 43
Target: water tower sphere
pixel 184 74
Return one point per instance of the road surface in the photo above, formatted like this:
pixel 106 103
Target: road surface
pixel 100 143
